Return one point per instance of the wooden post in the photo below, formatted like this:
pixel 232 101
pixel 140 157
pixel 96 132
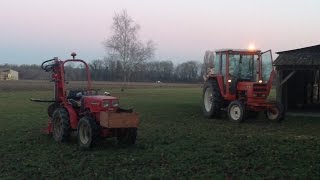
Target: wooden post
pixel 279 87
pixel 318 96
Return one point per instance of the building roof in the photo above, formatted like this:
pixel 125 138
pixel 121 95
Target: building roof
pixel 315 48
pixel 307 56
pixel 4 69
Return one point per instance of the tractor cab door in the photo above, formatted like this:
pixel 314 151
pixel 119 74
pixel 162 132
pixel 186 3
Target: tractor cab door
pixel 220 70
pixel 267 70
pixel 224 71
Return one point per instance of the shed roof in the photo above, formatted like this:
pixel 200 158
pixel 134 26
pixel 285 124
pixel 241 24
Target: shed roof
pixel 307 56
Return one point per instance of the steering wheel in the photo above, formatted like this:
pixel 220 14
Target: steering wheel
pixel 90 92
pixel 47 67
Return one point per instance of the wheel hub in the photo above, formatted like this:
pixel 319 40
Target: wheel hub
pixel 273 113
pixel 57 128
pixel 235 112
pixel 208 99
pixel 84 133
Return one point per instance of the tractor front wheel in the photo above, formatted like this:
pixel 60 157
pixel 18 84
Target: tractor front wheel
pixel 87 132
pixel 236 111
pixel 127 136
pixel 60 125
pixel 275 113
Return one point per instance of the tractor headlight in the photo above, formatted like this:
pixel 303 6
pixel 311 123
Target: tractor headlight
pixel 115 103
pixel 229 80
pixel 260 81
pixel 105 104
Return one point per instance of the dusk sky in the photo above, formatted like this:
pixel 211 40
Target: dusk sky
pixel 32 31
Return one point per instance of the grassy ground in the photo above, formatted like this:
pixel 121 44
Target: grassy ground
pixel 174 141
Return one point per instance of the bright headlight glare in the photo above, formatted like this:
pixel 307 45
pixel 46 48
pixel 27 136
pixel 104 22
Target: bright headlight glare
pixel 229 80
pixel 260 81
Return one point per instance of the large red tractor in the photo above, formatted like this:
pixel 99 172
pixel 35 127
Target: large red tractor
pixel 239 81
pixel 84 111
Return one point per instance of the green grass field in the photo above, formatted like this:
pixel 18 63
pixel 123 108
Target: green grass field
pixel 174 142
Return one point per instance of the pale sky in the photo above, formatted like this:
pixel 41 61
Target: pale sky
pixel 32 31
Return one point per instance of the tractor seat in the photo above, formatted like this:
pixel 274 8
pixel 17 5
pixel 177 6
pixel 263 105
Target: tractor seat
pixel 75 94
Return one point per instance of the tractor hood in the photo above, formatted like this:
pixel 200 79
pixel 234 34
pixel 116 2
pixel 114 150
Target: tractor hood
pixel 100 97
pixel 101 103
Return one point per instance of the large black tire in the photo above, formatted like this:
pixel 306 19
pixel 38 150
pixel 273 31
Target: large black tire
pixel 127 136
pixel 212 99
pixel 60 125
pixel 88 131
pixel 275 114
pixel 236 111
pixel 51 108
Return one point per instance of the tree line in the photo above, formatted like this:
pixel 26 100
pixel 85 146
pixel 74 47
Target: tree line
pixel 112 70
pixel 128 58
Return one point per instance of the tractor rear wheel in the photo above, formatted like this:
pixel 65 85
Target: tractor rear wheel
pixel 60 125
pixel 88 131
pixel 127 136
pixel 236 111
pixel 212 99
pixel 275 113
pixel 51 108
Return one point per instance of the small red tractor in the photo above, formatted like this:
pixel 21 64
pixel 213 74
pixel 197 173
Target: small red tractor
pixel 84 111
pixel 239 82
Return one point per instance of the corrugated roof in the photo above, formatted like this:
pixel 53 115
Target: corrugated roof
pixel 307 56
pixel 315 48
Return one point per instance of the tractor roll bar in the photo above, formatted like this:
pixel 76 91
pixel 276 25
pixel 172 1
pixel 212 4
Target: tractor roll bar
pixel 87 70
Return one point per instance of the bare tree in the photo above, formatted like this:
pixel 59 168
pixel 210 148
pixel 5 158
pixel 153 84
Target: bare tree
pixel 125 46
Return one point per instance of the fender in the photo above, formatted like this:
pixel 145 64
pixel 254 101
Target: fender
pixel 72 116
pixel 219 79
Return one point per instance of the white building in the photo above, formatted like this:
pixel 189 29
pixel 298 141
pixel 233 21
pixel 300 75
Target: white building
pixel 8 74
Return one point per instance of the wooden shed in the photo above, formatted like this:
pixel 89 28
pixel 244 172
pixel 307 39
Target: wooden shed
pixel 298 82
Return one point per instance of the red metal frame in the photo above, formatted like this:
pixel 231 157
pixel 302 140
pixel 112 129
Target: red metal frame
pixel 60 91
pixel 58 76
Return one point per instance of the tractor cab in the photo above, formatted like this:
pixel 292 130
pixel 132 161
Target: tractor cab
pixel 242 68
pixel 240 77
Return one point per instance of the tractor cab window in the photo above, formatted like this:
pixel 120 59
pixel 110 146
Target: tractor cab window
pixel 217 63
pixel 243 67
pixel 223 66
pixel 266 66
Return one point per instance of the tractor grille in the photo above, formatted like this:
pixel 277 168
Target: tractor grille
pixel 260 87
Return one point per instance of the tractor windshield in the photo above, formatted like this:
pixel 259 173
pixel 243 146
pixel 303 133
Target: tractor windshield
pixel 243 67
